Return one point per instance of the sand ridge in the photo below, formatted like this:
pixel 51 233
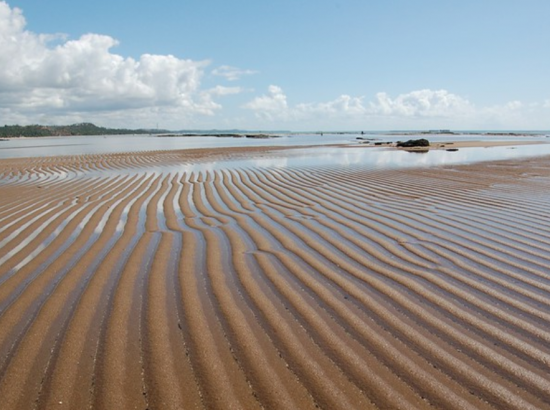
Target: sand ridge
pixel 276 288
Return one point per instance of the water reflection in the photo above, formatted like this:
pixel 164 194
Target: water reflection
pixel 383 158
pixel 98 144
pixel 371 158
pixel 364 156
pixel 51 146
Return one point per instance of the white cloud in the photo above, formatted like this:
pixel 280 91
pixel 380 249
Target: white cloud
pixel 414 110
pixel 78 77
pixel 344 105
pixel 220 90
pixel 231 73
pixel 421 103
pixel 272 106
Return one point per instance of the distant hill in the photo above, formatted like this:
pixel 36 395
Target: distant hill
pixel 85 128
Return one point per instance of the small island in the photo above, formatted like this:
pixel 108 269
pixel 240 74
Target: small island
pixel 84 128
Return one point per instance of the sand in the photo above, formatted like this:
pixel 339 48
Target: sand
pixel 277 288
pixel 446 145
pixel 478 144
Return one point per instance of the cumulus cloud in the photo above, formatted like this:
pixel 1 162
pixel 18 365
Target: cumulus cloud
pixel 344 105
pixel 231 73
pixel 80 76
pixel 272 106
pixel 417 109
pixel 422 103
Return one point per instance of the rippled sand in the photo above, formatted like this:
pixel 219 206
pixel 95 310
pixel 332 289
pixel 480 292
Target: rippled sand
pixel 297 288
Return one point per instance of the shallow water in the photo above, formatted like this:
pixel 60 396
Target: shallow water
pixel 382 158
pixel 80 145
pixel 367 158
pixel 354 155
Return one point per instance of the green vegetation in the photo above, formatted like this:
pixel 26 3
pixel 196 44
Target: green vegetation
pixel 85 128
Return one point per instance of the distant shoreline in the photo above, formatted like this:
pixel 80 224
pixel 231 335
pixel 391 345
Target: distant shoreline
pixel 8 132
pixel 220 135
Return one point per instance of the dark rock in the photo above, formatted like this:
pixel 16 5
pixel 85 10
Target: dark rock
pixel 422 142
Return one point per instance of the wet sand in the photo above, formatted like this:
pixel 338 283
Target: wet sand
pixel 277 288
pixel 477 144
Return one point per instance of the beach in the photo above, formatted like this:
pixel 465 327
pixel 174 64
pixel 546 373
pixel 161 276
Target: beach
pixel 145 280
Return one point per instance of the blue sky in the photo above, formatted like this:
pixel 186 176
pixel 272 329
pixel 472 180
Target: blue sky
pixel 298 65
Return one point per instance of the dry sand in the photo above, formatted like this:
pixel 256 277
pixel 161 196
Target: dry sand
pixel 272 288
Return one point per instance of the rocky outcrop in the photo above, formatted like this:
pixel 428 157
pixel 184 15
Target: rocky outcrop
pixel 422 142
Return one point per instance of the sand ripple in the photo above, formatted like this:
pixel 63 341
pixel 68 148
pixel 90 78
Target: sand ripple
pixel 128 282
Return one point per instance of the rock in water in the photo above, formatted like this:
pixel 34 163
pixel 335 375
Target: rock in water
pixel 422 142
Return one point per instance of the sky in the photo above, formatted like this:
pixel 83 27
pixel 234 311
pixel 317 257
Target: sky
pixel 300 65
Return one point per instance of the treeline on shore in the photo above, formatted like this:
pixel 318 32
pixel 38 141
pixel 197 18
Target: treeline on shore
pixel 85 128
